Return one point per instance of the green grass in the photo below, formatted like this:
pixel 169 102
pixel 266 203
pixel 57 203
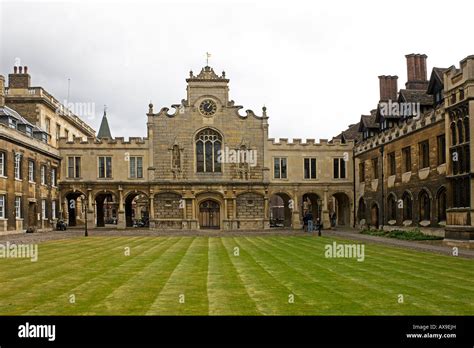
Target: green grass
pixel 400 234
pixel 216 282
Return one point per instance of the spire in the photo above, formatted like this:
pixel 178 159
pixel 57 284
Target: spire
pixel 104 130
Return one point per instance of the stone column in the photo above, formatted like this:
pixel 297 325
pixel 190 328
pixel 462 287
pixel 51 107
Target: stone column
pixel 151 207
pixel 295 218
pixel 121 224
pixel 325 211
pixel 266 213
pixel 90 209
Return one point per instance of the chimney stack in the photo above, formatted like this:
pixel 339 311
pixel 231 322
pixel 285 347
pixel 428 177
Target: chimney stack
pixel 20 78
pixel 416 71
pixel 2 91
pixel 388 88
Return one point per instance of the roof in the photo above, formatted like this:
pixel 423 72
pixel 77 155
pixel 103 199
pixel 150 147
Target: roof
pixel 436 75
pixel 104 130
pixel 351 133
pixel 368 121
pixel 415 96
pixel 6 111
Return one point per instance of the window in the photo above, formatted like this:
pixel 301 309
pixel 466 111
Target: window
pixel 43 209
pixel 442 204
pixel 392 163
pixel 47 125
pixel 53 177
pixel 66 134
pixel 461 94
pixel 73 167
pixel 310 168
pixel 17 166
pixel 453 133
pixel 31 171
pixel 375 168
pixel 53 210
pixel 2 164
pixel 339 168
pixel 441 149
pixel 43 174
pixel 105 167
pixel 136 167
pixel 208 147
pixel 406 159
pixel 460 132
pixel 392 207
pixel 2 207
pixel 424 155
pixel 425 211
pixel 407 206
pixel 467 136
pixel 12 123
pixel 279 168
pixel 18 207
pixel 29 131
pixel 361 171
pixel 58 131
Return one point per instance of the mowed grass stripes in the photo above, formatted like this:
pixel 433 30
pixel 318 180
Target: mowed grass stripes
pixel 231 276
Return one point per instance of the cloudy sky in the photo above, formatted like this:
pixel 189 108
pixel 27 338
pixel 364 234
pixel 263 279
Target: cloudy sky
pixel 314 64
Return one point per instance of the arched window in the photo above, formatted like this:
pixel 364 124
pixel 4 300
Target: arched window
pixel 362 209
pixel 208 146
pixel 176 157
pixel 392 207
pixel 425 211
pixel 460 132
pixel 453 133
pixel 466 128
pixel 407 206
pixel 441 204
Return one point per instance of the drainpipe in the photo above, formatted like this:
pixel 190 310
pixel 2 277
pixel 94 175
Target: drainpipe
pixel 382 210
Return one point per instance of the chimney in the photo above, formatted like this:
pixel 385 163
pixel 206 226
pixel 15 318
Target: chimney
pixel 388 88
pixel 20 78
pixel 416 71
pixel 2 91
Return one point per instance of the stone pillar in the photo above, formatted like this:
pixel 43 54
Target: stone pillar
pixel 152 210
pixel 325 211
pixel 266 213
pixel 121 224
pixel 295 217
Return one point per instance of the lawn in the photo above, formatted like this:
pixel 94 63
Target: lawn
pixel 271 276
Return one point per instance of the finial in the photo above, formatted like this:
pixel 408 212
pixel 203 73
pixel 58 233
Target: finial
pixel 105 110
pixel 223 74
pixel 191 73
pixel 208 55
pixel 150 108
pixel 264 109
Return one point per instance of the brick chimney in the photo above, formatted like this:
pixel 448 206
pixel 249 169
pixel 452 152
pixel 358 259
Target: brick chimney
pixel 2 91
pixel 20 78
pixel 388 88
pixel 416 71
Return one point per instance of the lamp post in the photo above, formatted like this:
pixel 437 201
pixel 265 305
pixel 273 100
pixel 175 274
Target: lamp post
pixel 320 202
pixel 84 206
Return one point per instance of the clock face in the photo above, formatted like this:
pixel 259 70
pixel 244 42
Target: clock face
pixel 208 107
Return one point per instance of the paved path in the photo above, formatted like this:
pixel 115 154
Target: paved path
pixel 350 234
pixel 416 245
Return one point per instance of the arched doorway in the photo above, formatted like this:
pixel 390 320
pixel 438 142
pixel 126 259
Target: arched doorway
pixel 136 209
pixel 392 208
pixel 280 212
pixel 424 206
pixel 310 204
pixel 106 209
pixel 341 210
pixel 74 206
pixel 209 214
pixel 374 215
pixel 441 199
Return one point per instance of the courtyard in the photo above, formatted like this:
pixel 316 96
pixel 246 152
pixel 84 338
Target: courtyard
pixel 241 274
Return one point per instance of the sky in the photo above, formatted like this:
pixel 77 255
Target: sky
pixel 313 64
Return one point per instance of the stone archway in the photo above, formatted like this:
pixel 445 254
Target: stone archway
pixel 106 207
pixel 341 209
pixel 74 206
pixel 137 208
pixel 309 203
pixel 374 215
pixel 280 211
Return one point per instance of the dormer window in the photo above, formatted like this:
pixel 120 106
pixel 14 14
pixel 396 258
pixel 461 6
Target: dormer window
pixel 12 123
pixel 29 131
